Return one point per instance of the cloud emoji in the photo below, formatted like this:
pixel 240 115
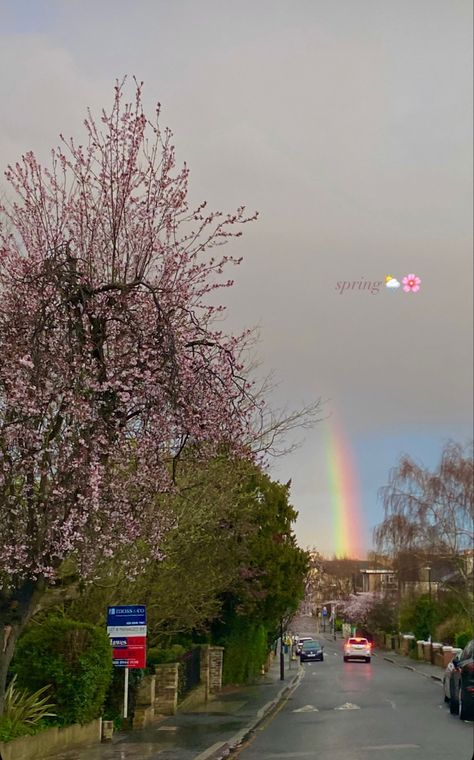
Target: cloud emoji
pixel 391 282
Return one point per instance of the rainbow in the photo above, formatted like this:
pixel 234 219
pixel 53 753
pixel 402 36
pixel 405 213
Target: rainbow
pixel 344 490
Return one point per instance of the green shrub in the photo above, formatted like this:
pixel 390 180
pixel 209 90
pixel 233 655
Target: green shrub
pixel 246 649
pixel 463 639
pixel 161 656
pixel 113 704
pixel 448 631
pixel 23 712
pixel 75 658
pixel 21 706
pixel 421 616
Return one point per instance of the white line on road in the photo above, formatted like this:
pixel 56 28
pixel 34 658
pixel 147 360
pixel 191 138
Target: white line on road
pixel 348 706
pixel 393 746
pixel 306 708
pixel 394 707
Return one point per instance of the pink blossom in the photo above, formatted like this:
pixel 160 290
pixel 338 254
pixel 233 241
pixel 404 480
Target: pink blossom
pixel 110 359
pixel 411 283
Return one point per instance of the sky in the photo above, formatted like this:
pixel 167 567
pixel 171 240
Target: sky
pixel 347 125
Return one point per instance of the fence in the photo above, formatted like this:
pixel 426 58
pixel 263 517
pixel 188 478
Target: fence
pixel 189 672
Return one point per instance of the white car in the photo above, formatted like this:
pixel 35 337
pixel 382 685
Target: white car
pixel 301 641
pixel 357 649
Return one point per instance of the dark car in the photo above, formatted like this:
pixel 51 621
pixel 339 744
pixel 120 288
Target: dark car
pixel 300 643
pixel 311 650
pixel 462 684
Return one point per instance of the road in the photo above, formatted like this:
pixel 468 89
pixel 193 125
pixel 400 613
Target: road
pixel 360 711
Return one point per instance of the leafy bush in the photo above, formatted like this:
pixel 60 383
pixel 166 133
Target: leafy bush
pixel 449 630
pixel 161 656
pixel 421 616
pixel 246 650
pixel 113 705
pixel 75 658
pixel 463 639
pixel 24 713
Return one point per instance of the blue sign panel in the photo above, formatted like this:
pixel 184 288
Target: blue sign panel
pixel 131 614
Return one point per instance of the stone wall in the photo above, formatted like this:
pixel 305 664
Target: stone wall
pixel 216 658
pixel 52 740
pixel 145 702
pixel 212 659
pixel 166 689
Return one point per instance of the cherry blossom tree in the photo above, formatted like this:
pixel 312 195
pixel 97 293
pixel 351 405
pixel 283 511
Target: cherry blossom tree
pixel 111 362
pixel 358 608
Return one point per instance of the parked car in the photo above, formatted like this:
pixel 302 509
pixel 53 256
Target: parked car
pixel 447 679
pixel 461 700
pixel 300 643
pixel 357 649
pixel 311 650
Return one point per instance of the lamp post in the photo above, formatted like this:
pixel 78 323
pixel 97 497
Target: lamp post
pixel 428 569
pixel 282 654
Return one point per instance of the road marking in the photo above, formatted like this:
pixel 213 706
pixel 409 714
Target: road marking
pixel 393 746
pixel 348 706
pixel 394 707
pixel 306 708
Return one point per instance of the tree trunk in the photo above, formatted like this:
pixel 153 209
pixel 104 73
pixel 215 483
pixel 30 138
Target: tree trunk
pixel 16 610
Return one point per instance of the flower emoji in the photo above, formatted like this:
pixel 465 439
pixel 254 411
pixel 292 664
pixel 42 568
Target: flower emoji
pixel 411 283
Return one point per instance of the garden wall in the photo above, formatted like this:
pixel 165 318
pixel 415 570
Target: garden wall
pixel 54 739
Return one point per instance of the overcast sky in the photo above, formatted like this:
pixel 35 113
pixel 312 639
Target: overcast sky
pixel 347 124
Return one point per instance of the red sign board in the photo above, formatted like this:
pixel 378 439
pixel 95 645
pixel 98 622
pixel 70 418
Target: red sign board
pixel 133 655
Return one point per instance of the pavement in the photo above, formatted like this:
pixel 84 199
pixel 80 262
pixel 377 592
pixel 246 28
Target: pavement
pixel 423 668
pixel 208 732
pixel 213 731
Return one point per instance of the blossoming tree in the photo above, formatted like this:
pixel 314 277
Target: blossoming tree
pixel 110 359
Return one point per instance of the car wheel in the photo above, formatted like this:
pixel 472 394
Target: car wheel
pixel 346 659
pixel 453 704
pixel 464 713
pixel 367 659
pixel 446 699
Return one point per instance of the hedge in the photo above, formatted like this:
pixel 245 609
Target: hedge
pixel 75 658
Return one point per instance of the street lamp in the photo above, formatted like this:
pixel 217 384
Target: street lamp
pixel 428 569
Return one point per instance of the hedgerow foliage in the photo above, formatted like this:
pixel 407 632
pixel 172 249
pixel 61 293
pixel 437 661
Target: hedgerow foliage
pixel 75 658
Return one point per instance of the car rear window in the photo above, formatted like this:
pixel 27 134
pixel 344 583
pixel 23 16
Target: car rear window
pixel 358 641
pixel 311 645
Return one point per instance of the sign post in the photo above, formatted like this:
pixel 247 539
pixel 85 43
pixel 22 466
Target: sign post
pixel 127 629
pixel 125 695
